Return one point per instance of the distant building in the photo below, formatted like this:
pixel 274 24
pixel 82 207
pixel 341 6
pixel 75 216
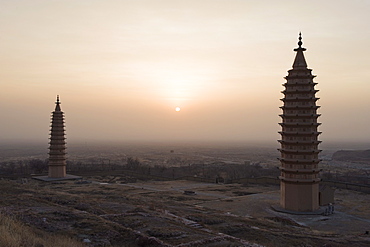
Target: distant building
pixel 57 153
pixel 326 195
pixel 299 180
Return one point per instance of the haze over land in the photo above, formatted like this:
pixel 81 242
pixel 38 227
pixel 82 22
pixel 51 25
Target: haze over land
pixel 121 68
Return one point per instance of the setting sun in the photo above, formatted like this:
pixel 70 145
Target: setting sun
pixel 177 109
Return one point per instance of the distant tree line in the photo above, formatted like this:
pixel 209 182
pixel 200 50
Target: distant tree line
pixel 221 171
pixel 23 167
pixel 218 171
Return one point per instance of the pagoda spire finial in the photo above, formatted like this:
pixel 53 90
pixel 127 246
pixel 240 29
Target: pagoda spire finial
pixel 300 61
pixel 57 107
pixel 300 43
pixel 300 40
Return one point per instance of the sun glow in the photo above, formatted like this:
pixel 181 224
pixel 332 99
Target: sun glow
pixel 177 109
pixel 178 81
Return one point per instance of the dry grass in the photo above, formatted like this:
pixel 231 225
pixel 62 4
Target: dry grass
pixel 152 214
pixel 15 234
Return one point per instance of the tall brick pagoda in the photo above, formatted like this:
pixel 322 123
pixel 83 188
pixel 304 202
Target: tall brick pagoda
pixel 299 180
pixel 57 149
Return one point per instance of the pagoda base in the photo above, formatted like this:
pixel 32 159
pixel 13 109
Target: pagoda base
pixel 49 179
pixel 57 171
pixel 279 209
pixel 299 197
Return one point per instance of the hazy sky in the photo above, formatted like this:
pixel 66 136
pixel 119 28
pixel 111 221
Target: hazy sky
pixel 122 66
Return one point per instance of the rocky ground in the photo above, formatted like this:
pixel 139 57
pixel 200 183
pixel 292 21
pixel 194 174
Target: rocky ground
pixel 103 211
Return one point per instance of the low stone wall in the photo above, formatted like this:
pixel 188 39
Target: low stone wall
pixel 260 180
pixel 348 186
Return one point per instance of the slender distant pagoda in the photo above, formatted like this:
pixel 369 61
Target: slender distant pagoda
pixel 57 149
pixel 299 180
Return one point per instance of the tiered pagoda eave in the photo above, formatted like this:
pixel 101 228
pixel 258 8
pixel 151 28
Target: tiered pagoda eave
pixel 57 144
pixel 299 142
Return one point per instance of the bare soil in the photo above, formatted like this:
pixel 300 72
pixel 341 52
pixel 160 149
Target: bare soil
pixel 160 214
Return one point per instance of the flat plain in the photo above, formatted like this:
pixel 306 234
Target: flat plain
pixel 111 208
pixel 104 211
